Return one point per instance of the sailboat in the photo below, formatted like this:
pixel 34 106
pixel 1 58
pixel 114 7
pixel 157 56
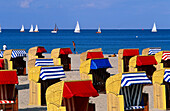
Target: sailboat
pixel 154 28
pixel 36 28
pixel 77 29
pixel 22 29
pixel 99 30
pixel 31 29
pixel 55 29
pixel 0 29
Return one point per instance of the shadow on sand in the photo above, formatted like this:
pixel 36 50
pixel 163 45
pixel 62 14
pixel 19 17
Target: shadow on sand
pixel 24 86
pixel 34 109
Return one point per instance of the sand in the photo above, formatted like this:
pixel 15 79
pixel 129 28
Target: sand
pixel 100 101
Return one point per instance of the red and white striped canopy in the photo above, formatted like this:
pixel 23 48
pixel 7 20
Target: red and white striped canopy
pixel 166 55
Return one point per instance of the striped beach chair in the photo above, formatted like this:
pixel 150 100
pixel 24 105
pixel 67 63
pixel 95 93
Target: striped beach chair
pixel 163 59
pixel 36 52
pixel 8 92
pixel 161 88
pixel 124 92
pixel 1 53
pixel 70 96
pixel 151 51
pixel 143 63
pixel 95 70
pixel 124 56
pixel 91 54
pixel 42 74
pixel 14 59
pixel 61 54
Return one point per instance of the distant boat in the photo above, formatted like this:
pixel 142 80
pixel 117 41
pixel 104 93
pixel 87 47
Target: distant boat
pixel 22 29
pixel 36 28
pixel 55 29
pixel 99 30
pixel 154 28
pixel 31 29
pixel 77 29
pixel 0 29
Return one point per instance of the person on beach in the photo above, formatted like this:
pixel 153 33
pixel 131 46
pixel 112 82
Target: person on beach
pixel 74 45
pixel 4 47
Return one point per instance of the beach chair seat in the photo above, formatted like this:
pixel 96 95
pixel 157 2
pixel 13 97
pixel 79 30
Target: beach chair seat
pixel 124 56
pixel 62 55
pixel 143 63
pixel 151 51
pixel 124 92
pixel 71 95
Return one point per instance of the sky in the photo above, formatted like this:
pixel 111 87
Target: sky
pixel 109 14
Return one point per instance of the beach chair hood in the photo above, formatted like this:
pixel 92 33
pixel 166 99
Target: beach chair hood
pixel 162 55
pixel 127 52
pixel 13 53
pixel 8 77
pixel 55 53
pixel 151 51
pixel 86 66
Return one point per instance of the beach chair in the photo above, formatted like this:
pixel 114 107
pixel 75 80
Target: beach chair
pixel 8 92
pixel 61 54
pixel 36 52
pixel 70 96
pixel 163 59
pixel 151 51
pixel 91 54
pixel 124 92
pixel 95 70
pixel 41 76
pixel 14 59
pixel 124 56
pixel 143 63
pixel 1 53
pixel 161 88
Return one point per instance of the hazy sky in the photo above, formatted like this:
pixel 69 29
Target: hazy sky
pixel 110 14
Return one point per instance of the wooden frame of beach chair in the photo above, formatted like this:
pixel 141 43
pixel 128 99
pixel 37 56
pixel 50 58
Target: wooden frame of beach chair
pixel 124 56
pixel 163 59
pixel 40 80
pixel 143 63
pixel 8 92
pixel 14 59
pixel 36 52
pixel 70 96
pixel 161 89
pixel 95 70
pixel 121 95
pixel 61 54
pixel 83 56
pixel 151 51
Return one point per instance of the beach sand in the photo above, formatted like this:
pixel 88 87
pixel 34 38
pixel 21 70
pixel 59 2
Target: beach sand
pixel 100 101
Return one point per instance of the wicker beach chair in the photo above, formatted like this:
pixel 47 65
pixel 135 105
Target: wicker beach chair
pixel 143 63
pixel 124 92
pixel 70 96
pixel 36 52
pixel 8 92
pixel 161 88
pixel 163 59
pixel 151 51
pixel 91 54
pixel 43 74
pixel 95 70
pixel 124 56
pixel 61 54
pixel 14 59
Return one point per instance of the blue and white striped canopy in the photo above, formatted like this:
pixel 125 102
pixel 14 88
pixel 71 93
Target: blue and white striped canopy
pixel 1 54
pixel 134 78
pixel 167 75
pixel 44 62
pixel 153 51
pixel 53 72
pixel 18 53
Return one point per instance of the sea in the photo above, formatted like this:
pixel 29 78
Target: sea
pixel 109 40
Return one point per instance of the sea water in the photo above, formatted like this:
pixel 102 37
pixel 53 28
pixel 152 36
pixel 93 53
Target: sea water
pixel 109 40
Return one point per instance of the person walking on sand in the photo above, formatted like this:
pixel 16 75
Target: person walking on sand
pixel 74 45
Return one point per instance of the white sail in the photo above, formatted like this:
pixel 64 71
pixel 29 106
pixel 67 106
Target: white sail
pixel 36 28
pixel 77 29
pixel 99 30
pixel 0 28
pixel 154 28
pixel 31 29
pixel 22 28
pixel 55 29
